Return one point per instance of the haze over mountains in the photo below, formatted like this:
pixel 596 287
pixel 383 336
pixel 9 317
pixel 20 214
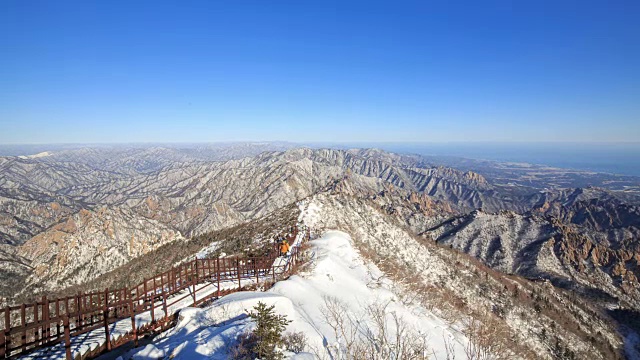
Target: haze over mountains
pixel 71 216
pixel 615 158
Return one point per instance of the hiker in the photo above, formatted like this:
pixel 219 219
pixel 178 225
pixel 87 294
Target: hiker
pixel 288 247
pixel 284 247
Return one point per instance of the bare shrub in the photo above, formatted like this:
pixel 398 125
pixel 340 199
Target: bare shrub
pixel 242 349
pixel 337 316
pixel 449 348
pixel 482 344
pixel 374 334
pixel 295 342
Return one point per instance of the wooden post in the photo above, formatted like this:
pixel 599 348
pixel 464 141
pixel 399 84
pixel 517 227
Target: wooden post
pixel 66 308
pixel 36 330
pixel 105 318
pixel 144 299
pixel 218 276
pixel 2 345
pixel 7 328
pixel 24 323
pixel 153 309
pixel 238 271
pixel 255 268
pixel 132 312
pixel 67 337
pixel 89 307
pixel 78 310
pixel 116 300
pixel 124 306
pixel 58 317
pixel 208 271
pixel 223 268
pixel 164 304
pixel 195 281
pixel 45 318
pixel 82 308
pixel 197 272
pixel 163 294
pixel 176 281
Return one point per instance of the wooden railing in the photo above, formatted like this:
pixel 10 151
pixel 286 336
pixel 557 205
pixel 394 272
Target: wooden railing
pixel 48 322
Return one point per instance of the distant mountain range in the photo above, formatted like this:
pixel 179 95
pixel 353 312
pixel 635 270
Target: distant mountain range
pixel 71 216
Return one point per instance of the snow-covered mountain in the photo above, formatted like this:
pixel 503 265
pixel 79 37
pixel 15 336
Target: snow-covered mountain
pixel 80 217
pixel 528 316
pixel 363 284
pixel 38 199
pixel 89 243
pixel 546 248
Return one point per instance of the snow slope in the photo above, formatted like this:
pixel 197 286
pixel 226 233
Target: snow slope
pixel 338 279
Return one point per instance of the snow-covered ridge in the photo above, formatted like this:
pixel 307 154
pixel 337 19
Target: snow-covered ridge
pixel 36 156
pixel 338 278
pixel 459 289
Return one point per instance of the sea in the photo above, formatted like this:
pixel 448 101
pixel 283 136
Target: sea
pixel 622 159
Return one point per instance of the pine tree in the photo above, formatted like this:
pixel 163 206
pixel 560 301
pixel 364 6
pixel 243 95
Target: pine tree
pixel 268 332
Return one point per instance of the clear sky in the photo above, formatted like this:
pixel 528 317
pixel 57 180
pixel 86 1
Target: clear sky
pixel 200 71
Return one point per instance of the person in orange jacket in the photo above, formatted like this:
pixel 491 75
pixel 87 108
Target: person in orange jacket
pixel 284 247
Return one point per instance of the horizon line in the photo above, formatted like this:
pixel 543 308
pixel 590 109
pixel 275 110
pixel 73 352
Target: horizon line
pixel 413 142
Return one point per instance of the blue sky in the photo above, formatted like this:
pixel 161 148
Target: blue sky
pixel 200 71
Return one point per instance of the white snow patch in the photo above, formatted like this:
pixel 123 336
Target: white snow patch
pixel 149 352
pixel 35 156
pixel 310 213
pixel 209 249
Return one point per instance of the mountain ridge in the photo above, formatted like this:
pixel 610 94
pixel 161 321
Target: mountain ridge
pixel 582 240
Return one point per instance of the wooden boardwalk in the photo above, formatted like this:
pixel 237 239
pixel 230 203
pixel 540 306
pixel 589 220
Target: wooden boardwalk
pixel 89 324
